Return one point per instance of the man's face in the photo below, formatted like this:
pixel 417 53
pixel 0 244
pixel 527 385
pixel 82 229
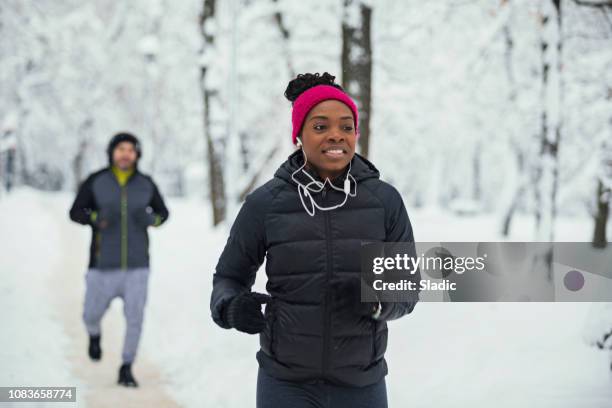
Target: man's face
pixel 328 137
pixel 124 155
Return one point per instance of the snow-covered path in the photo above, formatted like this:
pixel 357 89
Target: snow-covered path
pixel 99 378
pixel 443 355
pixel 60 275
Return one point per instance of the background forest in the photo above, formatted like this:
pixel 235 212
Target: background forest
pixel 469 106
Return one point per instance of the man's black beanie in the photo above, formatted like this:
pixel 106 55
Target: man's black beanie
pixel 123 137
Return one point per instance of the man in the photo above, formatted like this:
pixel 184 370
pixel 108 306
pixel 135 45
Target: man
pixel 119 203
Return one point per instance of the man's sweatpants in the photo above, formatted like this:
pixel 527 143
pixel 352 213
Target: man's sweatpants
pixel 102 286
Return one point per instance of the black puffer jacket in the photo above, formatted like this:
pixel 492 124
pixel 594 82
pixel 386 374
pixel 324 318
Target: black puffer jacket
pixel 306 336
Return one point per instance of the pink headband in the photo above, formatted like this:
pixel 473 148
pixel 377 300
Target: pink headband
pixel 312 96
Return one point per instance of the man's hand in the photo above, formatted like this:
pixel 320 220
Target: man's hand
pixel 97 220
pixel 103 220
pixel 243 312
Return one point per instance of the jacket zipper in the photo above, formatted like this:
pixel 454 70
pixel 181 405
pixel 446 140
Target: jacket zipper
pixel 326 309
pixel 124 246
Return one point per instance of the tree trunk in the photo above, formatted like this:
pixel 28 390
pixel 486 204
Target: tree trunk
pixel 550 133
pixel 519 187
pixel 601 218
pixel 286 35
pixel 357 64
pixel 477 173
pixel 546 172
pixel 213 131
pixel 518 193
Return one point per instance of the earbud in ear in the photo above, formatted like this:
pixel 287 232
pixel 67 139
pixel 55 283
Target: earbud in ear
pixel 299 142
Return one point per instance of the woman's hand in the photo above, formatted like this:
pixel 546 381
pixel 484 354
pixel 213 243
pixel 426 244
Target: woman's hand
pixel 243 312
pixel 347 294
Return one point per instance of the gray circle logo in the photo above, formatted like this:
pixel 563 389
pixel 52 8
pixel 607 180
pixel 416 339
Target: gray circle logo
pixel 573 280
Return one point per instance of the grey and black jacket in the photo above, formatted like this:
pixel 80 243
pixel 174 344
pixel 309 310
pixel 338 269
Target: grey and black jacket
pixel 125 212
pixel 308 336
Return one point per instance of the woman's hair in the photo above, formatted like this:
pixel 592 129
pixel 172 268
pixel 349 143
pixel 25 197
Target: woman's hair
pixel 306 81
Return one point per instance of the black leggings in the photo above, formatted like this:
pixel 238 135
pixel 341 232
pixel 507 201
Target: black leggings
pixel 275 393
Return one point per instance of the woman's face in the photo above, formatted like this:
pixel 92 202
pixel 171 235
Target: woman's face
pixel 328 137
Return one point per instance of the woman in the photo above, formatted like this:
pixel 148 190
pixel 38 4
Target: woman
pixel 320 345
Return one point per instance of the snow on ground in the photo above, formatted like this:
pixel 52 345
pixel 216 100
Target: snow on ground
pixel 443 355
pixel 33 343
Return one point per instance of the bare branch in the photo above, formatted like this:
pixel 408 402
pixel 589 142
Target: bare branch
pixel 594 3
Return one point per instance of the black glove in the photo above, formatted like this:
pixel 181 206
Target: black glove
pixel 243 312
pixel 143 217
pixel 347 295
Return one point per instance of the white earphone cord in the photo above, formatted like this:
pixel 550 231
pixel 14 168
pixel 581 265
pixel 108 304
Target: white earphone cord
pixel 307 190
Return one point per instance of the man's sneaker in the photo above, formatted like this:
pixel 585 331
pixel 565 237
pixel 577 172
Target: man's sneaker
pixel 95 352
pixel 125 376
